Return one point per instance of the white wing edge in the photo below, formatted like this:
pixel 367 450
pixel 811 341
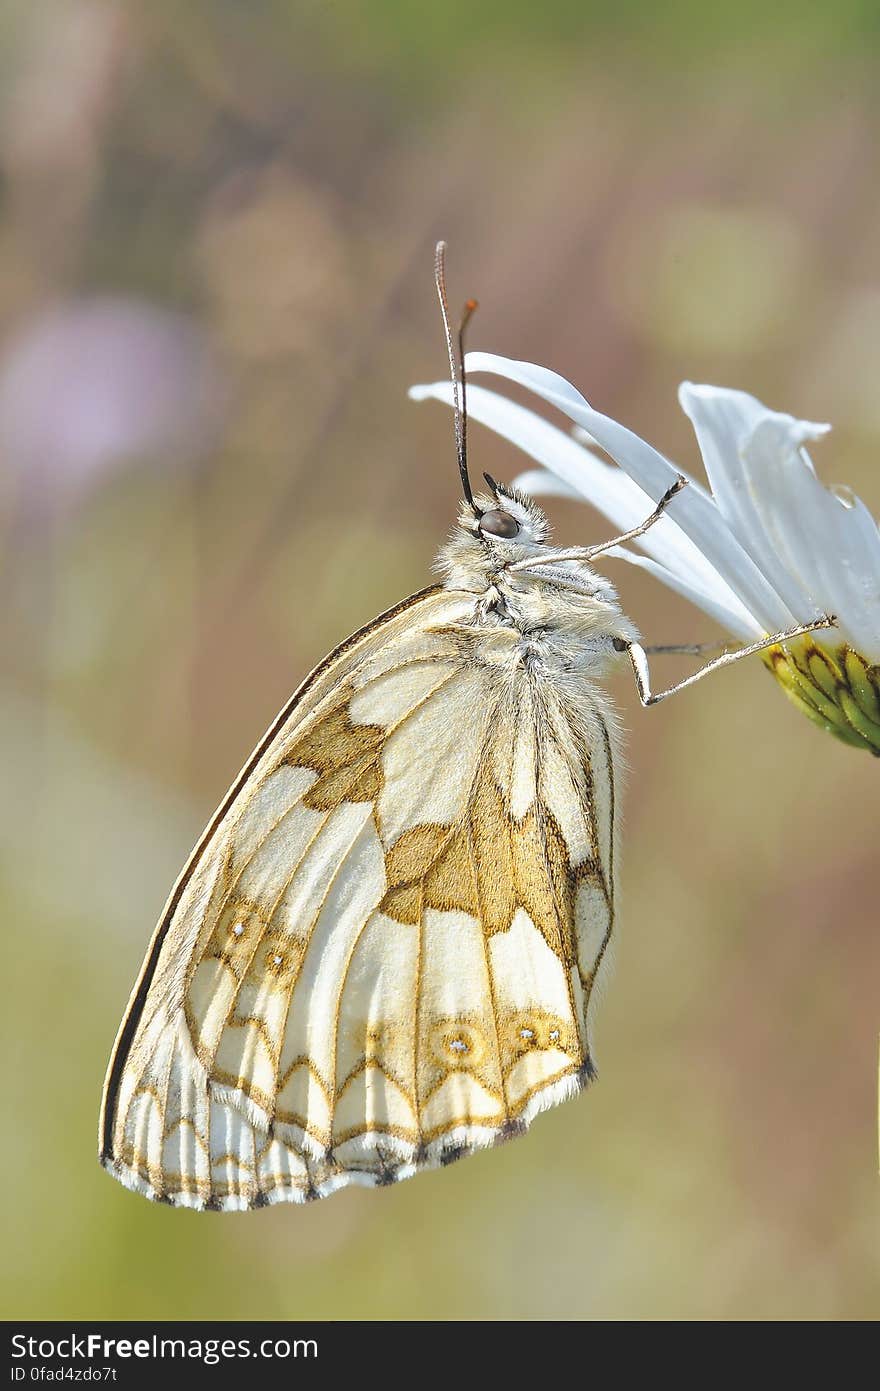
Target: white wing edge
pixel 458 1144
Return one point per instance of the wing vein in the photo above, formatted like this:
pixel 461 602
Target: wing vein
pixel 564 928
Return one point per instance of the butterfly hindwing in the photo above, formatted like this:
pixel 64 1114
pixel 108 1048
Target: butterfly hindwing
pixel 383 951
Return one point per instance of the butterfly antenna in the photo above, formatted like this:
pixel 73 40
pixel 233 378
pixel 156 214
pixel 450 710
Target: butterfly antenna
pixel 456 368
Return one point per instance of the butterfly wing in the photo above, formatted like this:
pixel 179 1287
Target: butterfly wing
pixel 383 951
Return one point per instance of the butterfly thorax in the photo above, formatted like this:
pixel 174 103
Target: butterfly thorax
pixel 555 614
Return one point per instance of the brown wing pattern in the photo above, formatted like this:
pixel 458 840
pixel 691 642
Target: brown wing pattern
pixel 382 954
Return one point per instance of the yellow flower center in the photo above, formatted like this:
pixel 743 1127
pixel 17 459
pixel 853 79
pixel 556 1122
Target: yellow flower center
pixel 837 690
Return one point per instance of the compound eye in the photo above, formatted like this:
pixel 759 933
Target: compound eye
pixel 499 523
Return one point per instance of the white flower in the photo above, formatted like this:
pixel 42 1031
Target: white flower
pixel 768 548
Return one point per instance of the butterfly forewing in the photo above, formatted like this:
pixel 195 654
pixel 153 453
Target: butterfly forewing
pixel 382 952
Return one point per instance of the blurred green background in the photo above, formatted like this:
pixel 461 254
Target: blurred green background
pixel 215 286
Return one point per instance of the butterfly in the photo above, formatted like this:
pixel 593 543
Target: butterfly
pixel 385 950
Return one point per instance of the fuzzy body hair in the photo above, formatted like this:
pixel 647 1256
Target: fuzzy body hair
pixel 568 617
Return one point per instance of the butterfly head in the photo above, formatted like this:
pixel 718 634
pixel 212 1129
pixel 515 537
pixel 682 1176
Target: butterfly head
pixel 493 530
pixel 501 546
pixel 505 521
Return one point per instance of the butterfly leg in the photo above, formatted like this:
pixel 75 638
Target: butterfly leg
pixel 590 552
pixel 688 649
pixel 680 482
pixel 638 657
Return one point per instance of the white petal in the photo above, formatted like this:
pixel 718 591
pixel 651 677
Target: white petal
pixel 728 612
pixel 699 583
pixel 540 482
pixel 724 422
pixel 694 512
pixel 580 470
pixel 833 548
